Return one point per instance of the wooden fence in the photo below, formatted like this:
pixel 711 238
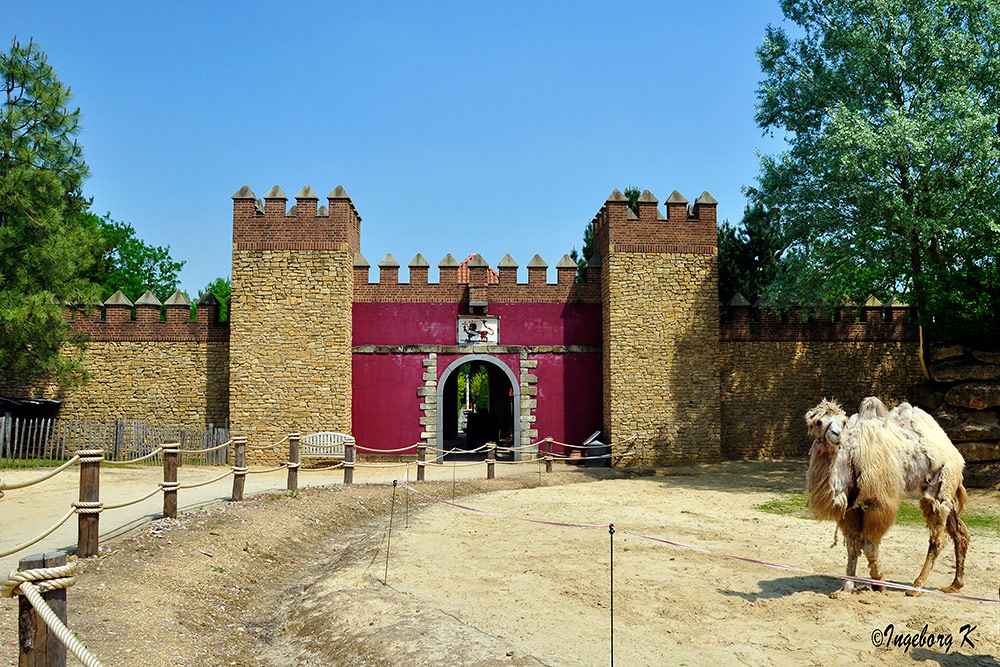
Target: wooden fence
pixel 23 440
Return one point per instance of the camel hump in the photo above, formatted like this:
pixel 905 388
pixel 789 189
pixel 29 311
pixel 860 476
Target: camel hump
pixel 872 408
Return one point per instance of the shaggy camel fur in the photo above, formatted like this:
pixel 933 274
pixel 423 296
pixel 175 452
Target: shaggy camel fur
pixel 860 468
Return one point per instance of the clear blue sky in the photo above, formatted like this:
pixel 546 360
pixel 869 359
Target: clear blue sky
pixel 455 127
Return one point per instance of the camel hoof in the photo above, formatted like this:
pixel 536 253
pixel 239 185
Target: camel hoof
pixel 914 594
pixel 840 594
pixel 954 588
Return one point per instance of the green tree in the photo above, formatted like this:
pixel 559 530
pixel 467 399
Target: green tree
pixel 632 195
pixel 46 248
pixel 130 264
pixel 891 181
pixel 749 254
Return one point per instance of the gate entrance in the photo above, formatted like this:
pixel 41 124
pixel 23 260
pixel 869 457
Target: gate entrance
pixel 478 399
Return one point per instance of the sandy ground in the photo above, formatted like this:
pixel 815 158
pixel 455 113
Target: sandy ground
pixel 299 580
pixel 26 513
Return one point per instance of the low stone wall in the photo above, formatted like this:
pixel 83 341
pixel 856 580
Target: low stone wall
pixel 170 382
pixel 767 386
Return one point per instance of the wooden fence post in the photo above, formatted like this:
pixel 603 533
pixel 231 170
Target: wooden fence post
pixel 421 457
pixel 293 461
pixel 349 463
pixel 39 646
pixel 239 466
pixel 491 457
pixel 548 454
pixel 88 509
pixel 170 485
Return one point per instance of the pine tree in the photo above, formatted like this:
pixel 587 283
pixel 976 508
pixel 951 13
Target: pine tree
pixel 46 246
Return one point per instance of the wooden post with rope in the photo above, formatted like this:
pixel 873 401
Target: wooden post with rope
pixel 491 457
pixel 421 457
pixel 38 646
pixel 293 461
pixel 89 507
pixel 548 454
pixel 349 463
pixel 239 466
pixel 170 462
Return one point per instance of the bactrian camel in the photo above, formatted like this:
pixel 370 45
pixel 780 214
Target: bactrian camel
pixel 860 468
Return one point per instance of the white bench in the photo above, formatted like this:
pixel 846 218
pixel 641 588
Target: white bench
pixel 325 445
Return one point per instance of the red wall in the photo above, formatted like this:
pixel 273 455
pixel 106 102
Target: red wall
pixel 386 409
pixel 436 323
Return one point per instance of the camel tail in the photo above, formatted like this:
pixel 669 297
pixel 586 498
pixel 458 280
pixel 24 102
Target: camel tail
pixel 961 498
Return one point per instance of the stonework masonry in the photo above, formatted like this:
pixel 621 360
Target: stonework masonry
pixel 640 348
pixel 767 386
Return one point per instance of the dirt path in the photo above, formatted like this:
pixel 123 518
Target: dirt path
pixel 298 580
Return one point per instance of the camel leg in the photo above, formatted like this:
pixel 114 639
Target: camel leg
pixel 853 551
pixel 874 569
pixel 936 525
pixel 960 536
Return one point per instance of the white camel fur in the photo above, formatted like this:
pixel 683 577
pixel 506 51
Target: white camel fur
pixel 860 468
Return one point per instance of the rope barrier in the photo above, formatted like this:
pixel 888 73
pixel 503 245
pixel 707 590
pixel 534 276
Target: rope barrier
pixel 207 482
pixel 5 486
pixel 388 451
pixel 84 507
pixel 259 448
pixel 681 545
pixel 131 461
pixel 41 537
pixel 206 450
pixel 50 579
pixel 159 488
pixel 90 455
pixel 258 472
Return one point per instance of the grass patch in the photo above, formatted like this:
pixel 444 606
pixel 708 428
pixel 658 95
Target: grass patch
pixel 13 464
pixel 796 504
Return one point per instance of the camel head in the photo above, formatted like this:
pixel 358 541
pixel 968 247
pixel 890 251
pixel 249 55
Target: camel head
pixel 826 422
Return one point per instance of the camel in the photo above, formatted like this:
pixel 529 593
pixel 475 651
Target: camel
pixel 860 468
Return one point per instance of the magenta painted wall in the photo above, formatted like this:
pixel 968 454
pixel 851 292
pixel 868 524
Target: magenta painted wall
pixel 570 405
pixel 385 408
pixel 435 323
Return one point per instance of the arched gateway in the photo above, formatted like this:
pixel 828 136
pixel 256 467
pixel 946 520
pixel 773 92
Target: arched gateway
pixel 501 420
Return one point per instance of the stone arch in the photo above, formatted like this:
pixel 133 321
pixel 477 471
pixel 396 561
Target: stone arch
pixel 515 385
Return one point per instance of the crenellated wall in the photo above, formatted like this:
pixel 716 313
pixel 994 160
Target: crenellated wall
pixel 773 370
pixel 639 350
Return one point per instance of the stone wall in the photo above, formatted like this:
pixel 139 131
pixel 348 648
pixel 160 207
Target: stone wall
pixel 660 325
pixel 290 342
pixel 767 386
pixel 175 383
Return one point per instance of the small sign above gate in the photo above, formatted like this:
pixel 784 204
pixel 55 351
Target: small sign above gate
pixel 478 329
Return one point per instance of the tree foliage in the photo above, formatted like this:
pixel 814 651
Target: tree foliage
pixel 891 182
pixel 749 254
pixel 130 264
pixel 46 247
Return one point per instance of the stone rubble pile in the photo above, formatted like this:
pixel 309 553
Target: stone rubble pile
pixel 964 398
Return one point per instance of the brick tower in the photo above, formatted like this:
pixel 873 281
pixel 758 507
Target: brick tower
pixel 292 293
pixel 660 329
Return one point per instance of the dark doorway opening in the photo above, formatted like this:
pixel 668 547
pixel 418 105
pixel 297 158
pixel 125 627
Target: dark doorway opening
pixel 477 405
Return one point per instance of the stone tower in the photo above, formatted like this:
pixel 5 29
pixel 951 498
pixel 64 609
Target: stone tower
pixel 660 328
pixel 292 293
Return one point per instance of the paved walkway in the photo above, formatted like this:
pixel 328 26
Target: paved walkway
pixel 25 513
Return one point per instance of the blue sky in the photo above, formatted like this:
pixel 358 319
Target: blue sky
pixel 455 127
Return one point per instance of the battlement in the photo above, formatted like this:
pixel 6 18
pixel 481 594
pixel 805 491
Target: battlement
pixel 474 280
pixel 266 224
pixel 874 321
pixel 154 321
pixel 684 229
